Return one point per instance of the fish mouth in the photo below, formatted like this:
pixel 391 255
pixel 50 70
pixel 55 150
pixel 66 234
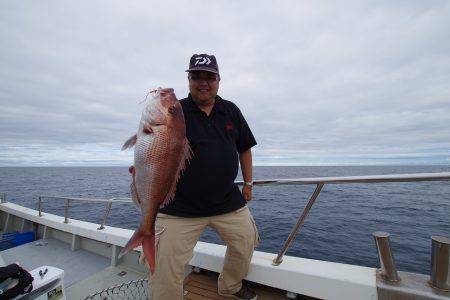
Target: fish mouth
pixel 165 91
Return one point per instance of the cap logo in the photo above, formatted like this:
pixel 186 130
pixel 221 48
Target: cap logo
pixel 202 60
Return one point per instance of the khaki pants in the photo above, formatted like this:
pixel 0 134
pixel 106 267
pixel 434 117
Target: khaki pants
pixel 175 241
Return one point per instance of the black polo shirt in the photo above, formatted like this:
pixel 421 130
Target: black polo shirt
pixel 207 186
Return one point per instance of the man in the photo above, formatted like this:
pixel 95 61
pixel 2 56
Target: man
pixel 206 194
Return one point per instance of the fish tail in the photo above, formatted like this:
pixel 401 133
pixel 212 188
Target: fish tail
pixel 148 245
pixel 135 241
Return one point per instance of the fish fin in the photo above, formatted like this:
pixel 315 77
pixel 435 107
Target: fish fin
pixel 170 195
pixel 130 142
pixel 187 156
pixel 134 192
pixel 135 240
pixel 148 245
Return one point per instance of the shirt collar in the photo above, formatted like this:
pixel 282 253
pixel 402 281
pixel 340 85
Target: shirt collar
pixel 219 105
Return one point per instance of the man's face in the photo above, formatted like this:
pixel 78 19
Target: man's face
pixel 203 86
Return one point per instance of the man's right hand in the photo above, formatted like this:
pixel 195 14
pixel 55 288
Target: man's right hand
pixel 247 192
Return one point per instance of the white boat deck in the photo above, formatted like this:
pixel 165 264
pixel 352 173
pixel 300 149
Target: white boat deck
pixel 323 280
pixel 57 254
pixel 89 256
pixel 84 272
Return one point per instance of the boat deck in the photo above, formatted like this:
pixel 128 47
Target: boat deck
pixel 86 273
pixel 58 254
pixel 203 286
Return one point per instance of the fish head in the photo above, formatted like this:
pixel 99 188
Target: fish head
pixel 163 109
pixel 171 107
pixel 169 101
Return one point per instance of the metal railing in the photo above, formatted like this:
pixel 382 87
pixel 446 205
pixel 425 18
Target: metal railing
pixel 109 203
pixel 320 182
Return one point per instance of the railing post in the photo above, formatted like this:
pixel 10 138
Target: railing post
pixel 108 209
pixel 40 206
pixel 277 261
pixel 3 198
pixel 66 211
pixel 440 263
pixel 388 270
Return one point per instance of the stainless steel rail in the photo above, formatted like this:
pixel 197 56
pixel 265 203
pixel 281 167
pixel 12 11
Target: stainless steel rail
pixel 279 259
pixel 388 270
pixel 443 176
pixel 109 203
pixel 320 182
pixel 440 263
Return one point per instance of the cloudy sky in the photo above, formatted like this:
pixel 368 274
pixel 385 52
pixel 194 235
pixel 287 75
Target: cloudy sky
pixel 319 82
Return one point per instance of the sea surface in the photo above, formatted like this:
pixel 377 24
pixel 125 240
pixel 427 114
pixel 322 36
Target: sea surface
pixel 339 227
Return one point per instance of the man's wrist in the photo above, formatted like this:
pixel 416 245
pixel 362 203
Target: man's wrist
pixel 248 183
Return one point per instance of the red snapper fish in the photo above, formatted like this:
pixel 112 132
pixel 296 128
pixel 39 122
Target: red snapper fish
pixel 161 151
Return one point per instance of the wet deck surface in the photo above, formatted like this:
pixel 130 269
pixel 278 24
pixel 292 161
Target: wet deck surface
pixel 203 286
pixel 57 254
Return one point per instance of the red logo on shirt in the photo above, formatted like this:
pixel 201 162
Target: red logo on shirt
pixel 229 127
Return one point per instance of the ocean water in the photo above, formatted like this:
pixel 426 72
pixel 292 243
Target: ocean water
pixel 339 227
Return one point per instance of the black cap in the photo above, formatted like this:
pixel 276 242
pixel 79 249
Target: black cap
pixel 203 62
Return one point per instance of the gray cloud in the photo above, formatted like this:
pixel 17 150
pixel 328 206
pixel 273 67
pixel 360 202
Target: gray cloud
pixel 319 82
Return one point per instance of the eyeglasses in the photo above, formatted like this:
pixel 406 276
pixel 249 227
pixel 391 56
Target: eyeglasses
pixel 208 79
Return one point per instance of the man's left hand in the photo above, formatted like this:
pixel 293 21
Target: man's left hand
pixel 247 192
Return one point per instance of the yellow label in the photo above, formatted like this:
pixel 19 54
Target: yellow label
pixel 55 294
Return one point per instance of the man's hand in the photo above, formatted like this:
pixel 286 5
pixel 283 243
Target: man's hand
pixel 247 192
pixel 245 159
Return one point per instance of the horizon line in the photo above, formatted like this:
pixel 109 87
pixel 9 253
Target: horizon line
pixel 254 165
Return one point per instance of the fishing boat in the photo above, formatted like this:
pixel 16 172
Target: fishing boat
pixel 74 259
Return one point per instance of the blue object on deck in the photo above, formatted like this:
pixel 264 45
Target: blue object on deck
pixel 23 238
pixel 14 239
pixel 7 241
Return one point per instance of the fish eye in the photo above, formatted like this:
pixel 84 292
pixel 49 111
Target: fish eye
pixel 172 109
